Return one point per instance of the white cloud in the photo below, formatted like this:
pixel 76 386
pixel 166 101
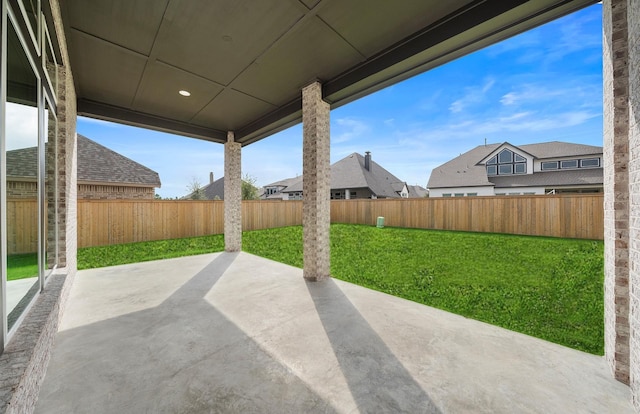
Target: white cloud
pixel 509 98
pixel 22 126
pixel 473 95
pixel 348 129
pixel 580 91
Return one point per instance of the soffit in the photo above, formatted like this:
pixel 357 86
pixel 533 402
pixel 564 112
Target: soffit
pixel 245 61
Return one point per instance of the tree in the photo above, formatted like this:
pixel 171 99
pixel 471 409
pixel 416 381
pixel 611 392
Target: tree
pixel 196 192
pixel 249 189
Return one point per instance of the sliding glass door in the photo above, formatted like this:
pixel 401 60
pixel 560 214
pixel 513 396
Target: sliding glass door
pixel 29 161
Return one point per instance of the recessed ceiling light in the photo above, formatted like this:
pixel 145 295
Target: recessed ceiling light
pixel 184 93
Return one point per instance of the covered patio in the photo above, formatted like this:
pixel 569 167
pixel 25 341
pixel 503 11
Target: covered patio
pixel 233 332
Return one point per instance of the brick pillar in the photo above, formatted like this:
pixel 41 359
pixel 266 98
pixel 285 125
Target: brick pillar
pixel 316 183
pixel 616 185
pixel 232 195
pixel 633 19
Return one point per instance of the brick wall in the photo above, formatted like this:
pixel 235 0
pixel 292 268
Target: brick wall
pixel 232 195
pixel 22 189
pixel 112 192
pixel 316 183
pixel 616 183
pixel 633 19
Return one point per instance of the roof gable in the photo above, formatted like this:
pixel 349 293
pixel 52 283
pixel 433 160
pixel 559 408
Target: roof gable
pixel 97 163
pixel 350 173
pixel 467 169
pixel 508 146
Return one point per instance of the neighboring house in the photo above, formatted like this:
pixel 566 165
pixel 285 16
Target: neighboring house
pixel 354 176
pixel 212 191
pixel 102 174
pixel 273 191
pixel 505 169
pixel 416 191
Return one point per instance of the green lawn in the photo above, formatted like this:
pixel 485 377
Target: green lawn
pixel 20 266
pixel 545 287
pixel 101 256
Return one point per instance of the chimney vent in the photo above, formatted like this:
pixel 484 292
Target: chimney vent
pixel 210 177
pixel 367 160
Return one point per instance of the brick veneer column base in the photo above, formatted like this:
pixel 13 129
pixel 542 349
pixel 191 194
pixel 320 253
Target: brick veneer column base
pixel 316 183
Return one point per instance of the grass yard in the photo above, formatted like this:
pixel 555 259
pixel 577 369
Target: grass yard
pixel 20 266
pixel 101 256
pixel 545 287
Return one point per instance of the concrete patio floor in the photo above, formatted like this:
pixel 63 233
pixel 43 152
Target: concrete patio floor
pixel 235 333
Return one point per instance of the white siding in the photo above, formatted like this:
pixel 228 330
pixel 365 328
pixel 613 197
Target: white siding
pixel 519 190
pixel 481 191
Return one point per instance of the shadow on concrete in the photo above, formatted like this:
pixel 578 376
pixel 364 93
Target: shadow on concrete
pixel 377 380
pixel 183 356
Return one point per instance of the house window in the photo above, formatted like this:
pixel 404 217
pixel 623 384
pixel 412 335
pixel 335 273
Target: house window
pixel 505 169
pixel 458 195
pixel 590 162
pixel 472 194
pixel 505 156
pixel 569 164
pixel 506 162
pixel 446 195
pixel 549 165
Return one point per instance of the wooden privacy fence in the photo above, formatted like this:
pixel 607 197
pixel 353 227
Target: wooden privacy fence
pixel 125 221
pixel 104 222
pixel 572 215
pixel 22 229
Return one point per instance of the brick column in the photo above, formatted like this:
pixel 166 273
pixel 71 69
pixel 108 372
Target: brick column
pixel 316 183
pixel 616 185
pixel 633 16
pixel 232 195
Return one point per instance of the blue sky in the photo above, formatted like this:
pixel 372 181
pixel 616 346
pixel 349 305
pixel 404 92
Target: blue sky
pixel 543 85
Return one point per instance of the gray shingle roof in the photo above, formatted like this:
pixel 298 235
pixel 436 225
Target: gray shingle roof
pixel 559 149
pixel 584 176
pixel 349 172
pixel 212 190
pixel 96 164
pixel 284 183
pixel 22 163
pixel 463 170
pixel 416 191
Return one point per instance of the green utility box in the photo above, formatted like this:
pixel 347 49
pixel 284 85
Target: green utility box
pixel 380 223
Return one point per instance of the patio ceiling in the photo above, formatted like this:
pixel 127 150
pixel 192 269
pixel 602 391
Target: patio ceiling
pixel 245 61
